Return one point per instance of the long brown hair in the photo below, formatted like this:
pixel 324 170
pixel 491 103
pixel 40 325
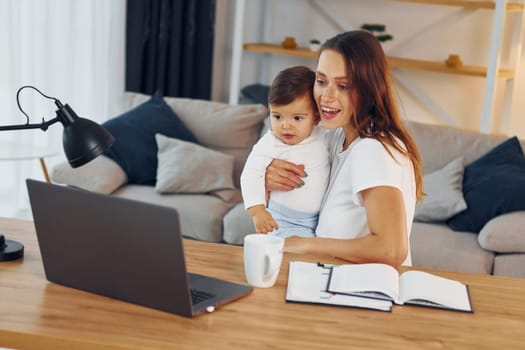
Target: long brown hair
pixel 376 113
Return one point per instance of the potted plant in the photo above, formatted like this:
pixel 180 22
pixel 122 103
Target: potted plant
pixel 377 28
pixel 314 45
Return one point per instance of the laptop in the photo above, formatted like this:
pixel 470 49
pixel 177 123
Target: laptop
pixel 122 249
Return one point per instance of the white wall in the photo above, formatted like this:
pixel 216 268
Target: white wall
pixel 460 96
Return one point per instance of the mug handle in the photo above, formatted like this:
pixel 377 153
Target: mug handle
pixel 271 263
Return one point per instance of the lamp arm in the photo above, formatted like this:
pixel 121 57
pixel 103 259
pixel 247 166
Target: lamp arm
pixel 83 139
pixel 44 125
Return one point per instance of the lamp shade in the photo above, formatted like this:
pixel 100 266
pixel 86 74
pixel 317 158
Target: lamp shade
pixel 83 139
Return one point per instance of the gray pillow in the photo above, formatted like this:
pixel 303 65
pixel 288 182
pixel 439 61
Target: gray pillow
pixel 214 123
pixel 185 167
pixel 504 233
pixel 101 175
pixel 444 193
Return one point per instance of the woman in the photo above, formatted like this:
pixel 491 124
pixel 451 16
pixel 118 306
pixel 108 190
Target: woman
pixel 375 177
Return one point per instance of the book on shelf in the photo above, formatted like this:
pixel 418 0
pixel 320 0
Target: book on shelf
pixel 307 283
pixel 383 282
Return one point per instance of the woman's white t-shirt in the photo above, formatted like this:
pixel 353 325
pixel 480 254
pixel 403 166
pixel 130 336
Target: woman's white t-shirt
pixel 364 164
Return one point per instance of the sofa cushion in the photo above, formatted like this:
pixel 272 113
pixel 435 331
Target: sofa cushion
pixel 200 214
pixel 185 167
pixel 504 233
pixel 135 149
pixel 437 246
pixel 443 193
pixel 237 223
pixel 267 125
pixel 439 144
pixel 492 185
pixel 512 265
pixel 225 128
pixel 101 175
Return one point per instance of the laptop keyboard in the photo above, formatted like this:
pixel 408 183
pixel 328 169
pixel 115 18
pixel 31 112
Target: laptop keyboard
pixel 198 296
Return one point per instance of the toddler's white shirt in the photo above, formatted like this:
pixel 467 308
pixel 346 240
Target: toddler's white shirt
pixel 312 152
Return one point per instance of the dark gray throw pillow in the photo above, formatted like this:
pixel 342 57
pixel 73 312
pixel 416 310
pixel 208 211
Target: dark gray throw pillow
pixel 135 147
pixel 492 185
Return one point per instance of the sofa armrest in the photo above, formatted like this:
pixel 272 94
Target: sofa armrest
pixel 101 175
pixel 236 224
pixel 504 233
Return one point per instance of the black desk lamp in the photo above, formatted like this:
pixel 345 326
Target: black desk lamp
pixel 83 141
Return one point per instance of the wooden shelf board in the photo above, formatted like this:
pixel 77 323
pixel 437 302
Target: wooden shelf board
pixel 441 67
pixel 395 62
pixel 279 50
pixel 511 6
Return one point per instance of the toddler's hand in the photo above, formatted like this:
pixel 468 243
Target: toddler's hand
pixel 264 222
pixel 262 219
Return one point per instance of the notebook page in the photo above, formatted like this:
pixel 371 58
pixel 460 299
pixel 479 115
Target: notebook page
pixel 366 279
pixel 418 285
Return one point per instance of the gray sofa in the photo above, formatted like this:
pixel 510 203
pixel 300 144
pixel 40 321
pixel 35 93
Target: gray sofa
pixel 219 216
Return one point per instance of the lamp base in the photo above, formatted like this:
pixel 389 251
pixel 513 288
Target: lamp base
pixel 10 250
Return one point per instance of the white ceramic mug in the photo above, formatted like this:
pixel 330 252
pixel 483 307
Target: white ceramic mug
pixel 262 259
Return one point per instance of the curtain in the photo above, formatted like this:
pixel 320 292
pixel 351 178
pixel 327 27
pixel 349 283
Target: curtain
pixel 169 47
pixel 71 50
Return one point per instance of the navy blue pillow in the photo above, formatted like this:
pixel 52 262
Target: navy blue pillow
pixel 258 93
pixel 135 148
pixel 492 185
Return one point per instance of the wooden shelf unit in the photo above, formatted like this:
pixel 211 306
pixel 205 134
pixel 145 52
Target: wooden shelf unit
pixel 395 62
pixel 491 72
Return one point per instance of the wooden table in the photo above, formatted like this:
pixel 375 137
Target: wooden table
pixel 36 314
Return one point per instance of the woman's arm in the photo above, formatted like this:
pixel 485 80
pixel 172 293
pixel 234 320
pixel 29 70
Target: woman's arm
pixel 282 175
pixel 387 242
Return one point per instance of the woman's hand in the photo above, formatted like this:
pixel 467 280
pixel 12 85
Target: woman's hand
pixel 282 175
